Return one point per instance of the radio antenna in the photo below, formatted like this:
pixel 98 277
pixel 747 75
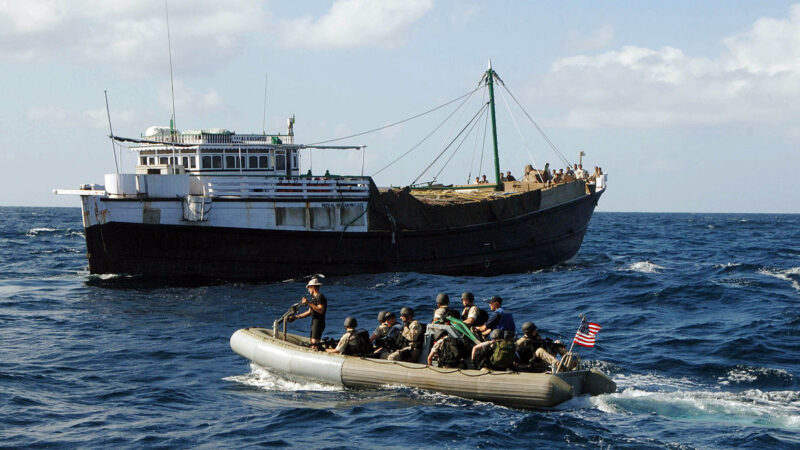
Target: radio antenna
pixel 171 83
pixel 264 118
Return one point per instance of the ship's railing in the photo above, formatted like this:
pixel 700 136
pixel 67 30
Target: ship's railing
pixel 277 187
pixel 193 139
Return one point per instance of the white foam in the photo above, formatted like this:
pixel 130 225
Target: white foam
pixel 644 267
pixel 37 231
pixel 752 407
pixel 746 374
pixel 726 265
pixel 790 275
pixel 264 379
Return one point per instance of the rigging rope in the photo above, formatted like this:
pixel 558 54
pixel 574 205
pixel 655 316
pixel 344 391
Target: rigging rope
pixel 398 123
pixel 547 139
pixel 514 119
pixel 425 138
pixel 484 109
pixel 480 111
pixel 475 148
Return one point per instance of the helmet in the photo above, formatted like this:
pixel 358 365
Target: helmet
pixel 496 334
pixel 350 322
pixel 388 315
pixel 381 316
pixel 442 299
pixel 468 295
pixel 407 311
pixel 528 326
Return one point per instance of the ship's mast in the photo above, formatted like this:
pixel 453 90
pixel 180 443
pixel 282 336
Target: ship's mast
pixel 490 82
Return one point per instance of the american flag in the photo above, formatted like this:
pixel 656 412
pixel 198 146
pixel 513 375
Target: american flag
pixel 586 334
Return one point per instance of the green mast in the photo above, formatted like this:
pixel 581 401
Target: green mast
pixel 490 82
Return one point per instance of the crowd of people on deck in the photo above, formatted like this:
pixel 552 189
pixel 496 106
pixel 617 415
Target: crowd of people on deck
pixel 548 176
pixel 472 339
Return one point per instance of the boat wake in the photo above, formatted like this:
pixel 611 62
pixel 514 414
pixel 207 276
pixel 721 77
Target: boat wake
pixel 269 381
pixel 683 399
pixel 644 267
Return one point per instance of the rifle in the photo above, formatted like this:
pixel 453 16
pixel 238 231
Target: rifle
pixel 292 311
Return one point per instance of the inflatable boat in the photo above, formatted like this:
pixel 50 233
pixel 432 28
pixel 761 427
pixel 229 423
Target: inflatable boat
pixel 288 354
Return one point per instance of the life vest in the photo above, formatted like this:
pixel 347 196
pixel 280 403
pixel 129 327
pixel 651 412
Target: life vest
pixel 358 343
pixel 503 355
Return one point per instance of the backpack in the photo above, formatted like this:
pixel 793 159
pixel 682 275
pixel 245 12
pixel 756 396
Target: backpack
pixel 503 355
pixel 358 344
pixel 450 353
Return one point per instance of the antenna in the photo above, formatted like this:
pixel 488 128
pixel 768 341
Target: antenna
pixel 171 83
pixel 264 118
pixel 111 130
pixel 172 121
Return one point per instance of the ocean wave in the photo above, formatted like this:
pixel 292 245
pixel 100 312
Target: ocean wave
pixel 780 409
pixel 792 275
pixel 644 267
pixel 740 375
pixel 40 230
pixel 269 381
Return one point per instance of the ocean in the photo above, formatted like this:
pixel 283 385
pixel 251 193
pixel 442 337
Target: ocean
pixel 701 332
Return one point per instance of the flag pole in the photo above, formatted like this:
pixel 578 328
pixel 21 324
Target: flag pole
pixel 561 361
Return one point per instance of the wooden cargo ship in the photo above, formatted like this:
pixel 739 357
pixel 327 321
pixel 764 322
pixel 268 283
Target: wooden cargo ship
pixel 214 204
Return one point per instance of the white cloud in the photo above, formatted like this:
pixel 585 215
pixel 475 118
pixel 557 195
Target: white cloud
pixel 128 33
pixel 189 101
pixel 754 80
pixel 356 23
pixel 600 38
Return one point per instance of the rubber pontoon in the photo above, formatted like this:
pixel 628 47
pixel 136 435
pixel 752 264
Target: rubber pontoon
pixel 292 357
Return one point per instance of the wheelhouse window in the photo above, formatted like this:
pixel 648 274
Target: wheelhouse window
pixel 259 162
pixel 233 161
pixel 280 160
pixel 211 162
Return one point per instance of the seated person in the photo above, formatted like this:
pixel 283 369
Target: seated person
pixel 446 349
pixel 510 177
pixel 498 353
pixel 442 309
pixel 387 343
pixel 381 329
pixel 538 354
pixel 353 342
pixel 498 318
pixel 471 315
pixel 410 339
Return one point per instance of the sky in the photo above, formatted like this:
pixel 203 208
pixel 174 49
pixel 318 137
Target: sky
pixel 688 106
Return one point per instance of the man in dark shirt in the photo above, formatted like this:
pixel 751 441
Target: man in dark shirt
pixel 317 306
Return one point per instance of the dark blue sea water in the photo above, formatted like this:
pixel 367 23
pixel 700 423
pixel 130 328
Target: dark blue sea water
pixel 701 331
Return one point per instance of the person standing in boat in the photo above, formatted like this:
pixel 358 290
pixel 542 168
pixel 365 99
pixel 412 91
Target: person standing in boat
pixel 317 306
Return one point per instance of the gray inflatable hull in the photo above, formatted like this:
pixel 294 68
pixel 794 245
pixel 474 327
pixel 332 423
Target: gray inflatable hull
pixel 513 389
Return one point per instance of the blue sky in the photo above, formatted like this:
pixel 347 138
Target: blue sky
pixel 689 106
